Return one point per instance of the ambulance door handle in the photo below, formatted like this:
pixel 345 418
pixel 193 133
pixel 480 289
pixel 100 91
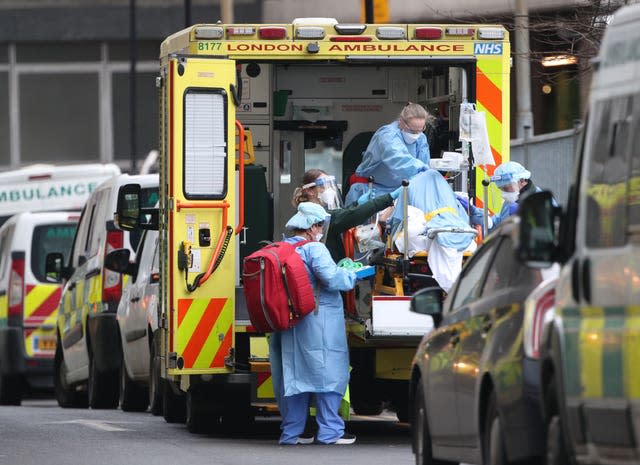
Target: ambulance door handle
pixel 72 286
pixel 454 338
pixel 586 280
pixel 487 323
pixel 134 299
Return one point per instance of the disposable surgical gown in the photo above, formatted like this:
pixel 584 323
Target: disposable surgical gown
pixel 390 160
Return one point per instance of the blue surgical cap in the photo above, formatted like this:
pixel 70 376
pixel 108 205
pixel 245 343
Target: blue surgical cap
pixel 509 172
pixel 309 213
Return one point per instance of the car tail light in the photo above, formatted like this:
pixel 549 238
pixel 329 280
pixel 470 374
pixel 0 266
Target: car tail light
pixel 534 318
pixel 16 289
pixel 111 280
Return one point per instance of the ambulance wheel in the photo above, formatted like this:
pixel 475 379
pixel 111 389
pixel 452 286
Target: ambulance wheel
pixel 133 397
pixel 173 405
pixel 155 386
pixel 102 387
pixel 200 417
pixel 66 395
pixel 10 390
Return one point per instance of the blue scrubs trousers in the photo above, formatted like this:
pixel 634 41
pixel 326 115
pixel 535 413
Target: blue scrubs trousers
pixel 295 409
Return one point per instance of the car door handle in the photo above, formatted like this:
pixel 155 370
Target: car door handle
pixel 454 338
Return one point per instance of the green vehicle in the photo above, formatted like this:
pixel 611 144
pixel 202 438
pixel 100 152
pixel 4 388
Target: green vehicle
pixel 590 349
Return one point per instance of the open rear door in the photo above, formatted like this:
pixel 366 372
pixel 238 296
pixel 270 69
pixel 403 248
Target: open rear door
pixel 201 211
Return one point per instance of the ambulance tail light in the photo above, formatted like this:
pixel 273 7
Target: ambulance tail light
pixel 209 33
pixel 309 32
pixel 428 33
pixel 350 29
pixel 391 33
pixel 460 31
pixel 16 290
pixel 272 33
pixel 351 39
pixel 111 280
pixel 491 33
pixel 537 309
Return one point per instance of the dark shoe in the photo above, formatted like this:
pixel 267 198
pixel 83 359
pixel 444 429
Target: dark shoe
pixel 346 439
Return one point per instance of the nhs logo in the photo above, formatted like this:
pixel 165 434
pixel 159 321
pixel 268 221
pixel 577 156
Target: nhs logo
pixel 487 49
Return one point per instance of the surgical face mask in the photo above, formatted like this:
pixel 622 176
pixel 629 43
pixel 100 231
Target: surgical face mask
pixel 409 137
pixel 329 197
pixel 511 197
pixel 319 237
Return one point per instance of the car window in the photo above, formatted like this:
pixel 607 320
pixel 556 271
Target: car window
pixel 472 277
pixel 633 190
pixel 506 271
pixel 49 238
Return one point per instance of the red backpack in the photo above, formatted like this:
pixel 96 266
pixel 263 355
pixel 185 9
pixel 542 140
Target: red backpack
pixel 277 287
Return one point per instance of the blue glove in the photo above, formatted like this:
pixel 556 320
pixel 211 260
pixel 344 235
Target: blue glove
pixel 395 194
pixel 364 198
pixel 463 201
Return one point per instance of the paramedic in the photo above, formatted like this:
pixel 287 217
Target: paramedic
pixel 397 151
pixel 514 182
pixel 312 357
pixel 320 188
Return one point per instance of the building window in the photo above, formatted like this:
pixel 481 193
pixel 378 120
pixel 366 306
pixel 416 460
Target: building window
pixel 59 117
pixel 5 157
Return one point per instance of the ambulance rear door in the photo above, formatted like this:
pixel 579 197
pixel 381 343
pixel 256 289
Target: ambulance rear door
pixel 201 211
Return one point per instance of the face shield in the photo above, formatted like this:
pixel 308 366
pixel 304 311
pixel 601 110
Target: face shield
pixel 328 192
pixel 325 229
pixel 508 185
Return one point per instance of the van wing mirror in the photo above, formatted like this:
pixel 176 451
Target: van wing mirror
pixel 427 301
pixel 128 209
pixel 53 268
pixel 539 221
pixel 118 261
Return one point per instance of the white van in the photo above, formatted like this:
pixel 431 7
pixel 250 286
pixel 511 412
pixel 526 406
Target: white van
pixel 50 187
pixel 591 350
pixel 28 303
pixel 88 356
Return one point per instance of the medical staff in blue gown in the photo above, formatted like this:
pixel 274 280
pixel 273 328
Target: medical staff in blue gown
pixel 312 358
pixel 397 151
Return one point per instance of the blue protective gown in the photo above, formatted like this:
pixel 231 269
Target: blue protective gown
pixel 313 357
pixel 432 194
pixel 390 160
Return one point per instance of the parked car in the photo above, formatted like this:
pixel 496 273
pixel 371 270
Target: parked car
pixel 137 322
pixel 88 356
pixel 591 351
pixel 475 384
pixel 28 303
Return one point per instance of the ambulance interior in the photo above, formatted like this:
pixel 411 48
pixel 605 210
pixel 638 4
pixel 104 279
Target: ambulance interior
pixel 304 116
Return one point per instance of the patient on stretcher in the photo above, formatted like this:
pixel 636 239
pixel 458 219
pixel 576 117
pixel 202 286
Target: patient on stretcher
pixel 437 224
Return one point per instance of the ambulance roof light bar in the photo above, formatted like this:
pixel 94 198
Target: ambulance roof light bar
pixel 391 33
pixel 460 31
pixel 209 32
pixel 241 30
pixel 309 32
pixel 428 33
pixel 491 33
pixel 272 32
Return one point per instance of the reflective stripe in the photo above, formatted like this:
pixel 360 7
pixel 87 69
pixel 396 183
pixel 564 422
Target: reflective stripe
pixel 429 216
pixel 631 353
pixel 591 333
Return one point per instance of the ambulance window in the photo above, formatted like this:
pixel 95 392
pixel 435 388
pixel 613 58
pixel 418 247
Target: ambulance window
pixel 205 144
pixel 608 173
pixel 633 189
pixel 46 239
pixel 5 252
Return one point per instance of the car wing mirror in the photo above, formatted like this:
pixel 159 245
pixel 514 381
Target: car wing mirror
pixel 427 301
pixel 127 215
pixel 538 237
pixel 54 267
pixel 118 261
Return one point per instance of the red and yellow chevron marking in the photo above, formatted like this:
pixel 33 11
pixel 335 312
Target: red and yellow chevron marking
pixel 40 312
pixel 264 388
pixel 205 332
pixel 492 77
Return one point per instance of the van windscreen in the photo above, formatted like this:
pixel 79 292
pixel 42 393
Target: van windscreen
pixel 49 238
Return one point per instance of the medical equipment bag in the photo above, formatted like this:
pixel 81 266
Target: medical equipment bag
pixel 277 287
